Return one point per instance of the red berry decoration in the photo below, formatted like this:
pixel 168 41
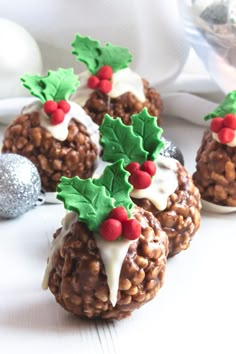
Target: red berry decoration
pixel 131 229
pixel 93 82
pixel 50 106
pixel 105 86
pixel 64 105
pixel 140 180
pixel 149 167
pixel 230 121
pixel 217 124
pixel 133 167
pixel 111 229
pixel 105 72
pixel 57 116
pixel 119 213
pixel 226 135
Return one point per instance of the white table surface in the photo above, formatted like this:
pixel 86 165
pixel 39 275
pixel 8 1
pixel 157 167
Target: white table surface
pixel 194 312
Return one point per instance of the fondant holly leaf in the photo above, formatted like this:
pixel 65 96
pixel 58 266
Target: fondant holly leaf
pixel 94 55
pixel 86 50
pixel 116 57
pixel 228 105
pixel 57 85
pixel 115 180
pixel 90 201
pixel 146 127
pixel 33 83
pixel 120 142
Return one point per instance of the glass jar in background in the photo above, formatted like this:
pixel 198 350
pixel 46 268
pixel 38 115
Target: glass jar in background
pixel 210 27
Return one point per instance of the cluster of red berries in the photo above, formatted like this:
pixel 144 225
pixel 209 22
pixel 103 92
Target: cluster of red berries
pixel 56 110
pixel 118 224
pixel 224 127
pixel 141 175
pixel 102 80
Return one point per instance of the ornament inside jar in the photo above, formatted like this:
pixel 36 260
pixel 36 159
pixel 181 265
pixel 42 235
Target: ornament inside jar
pixel 55 133
pixel 109 85
pixel 161 184
pixel 109 256
pixel 215 173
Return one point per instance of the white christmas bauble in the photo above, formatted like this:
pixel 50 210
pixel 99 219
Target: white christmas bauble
pixel 19 53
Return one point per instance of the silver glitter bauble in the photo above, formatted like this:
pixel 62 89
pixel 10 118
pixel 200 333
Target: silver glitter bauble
pixel 20 185
pixel 211 29
pixel 171 150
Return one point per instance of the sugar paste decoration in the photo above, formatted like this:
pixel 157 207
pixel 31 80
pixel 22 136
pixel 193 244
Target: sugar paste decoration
pixel 223 121
pixel 53 90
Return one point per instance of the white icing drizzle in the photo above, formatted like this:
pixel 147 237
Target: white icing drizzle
pixel 232 143
pixel 60 131
pixel 113 254
pixel 124 80
pixel 67 221
pixel 164 183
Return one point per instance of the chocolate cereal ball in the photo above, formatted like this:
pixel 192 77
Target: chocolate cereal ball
pixel 215 174
pixel 109 85
pixel 123 106
pixel 79 281
pixel 53 158
pixel 181 218
pixel 51 131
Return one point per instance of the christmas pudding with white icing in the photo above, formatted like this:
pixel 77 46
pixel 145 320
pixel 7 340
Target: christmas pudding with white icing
pixel 161 185
pixel 215 173
pixel 53 132
pixel 109 85
pixel 109 256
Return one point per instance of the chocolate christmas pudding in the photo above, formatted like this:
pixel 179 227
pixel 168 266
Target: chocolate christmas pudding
pixel 215 174
pixel 109 85
pixel 109 256
pixel 54 133
pixel 161 184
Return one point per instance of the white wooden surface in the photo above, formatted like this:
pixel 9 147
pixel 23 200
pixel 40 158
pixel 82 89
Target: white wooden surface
pixel 194 312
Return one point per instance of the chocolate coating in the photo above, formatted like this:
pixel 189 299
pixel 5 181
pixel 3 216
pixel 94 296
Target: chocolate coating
pixel 215 174
pixel 181 218
pixel 78 279
pixel 53 158
pixel 123 106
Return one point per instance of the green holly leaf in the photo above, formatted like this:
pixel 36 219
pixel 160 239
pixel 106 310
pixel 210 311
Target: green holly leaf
pixel 120 142
pixel 94 55
pixel 116 57
pixel 228 105
pixel 146 127
pixel 115 180
pixel 57 85
pixel 87 50
pixel 89 201
pixel 33 83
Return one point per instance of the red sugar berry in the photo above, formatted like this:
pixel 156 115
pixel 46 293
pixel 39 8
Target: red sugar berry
pixel 226 135
pixel 50 106
pixel 119 213
pixel 133 167
pixel 64 105
pixel 105 86
pixel 111 229
pixel 131 229
pixel 57 116
pixel 217 124
pixel 105 72
pixel 93 82
pixel 149 167
pixel 230 121
pixel 140 179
